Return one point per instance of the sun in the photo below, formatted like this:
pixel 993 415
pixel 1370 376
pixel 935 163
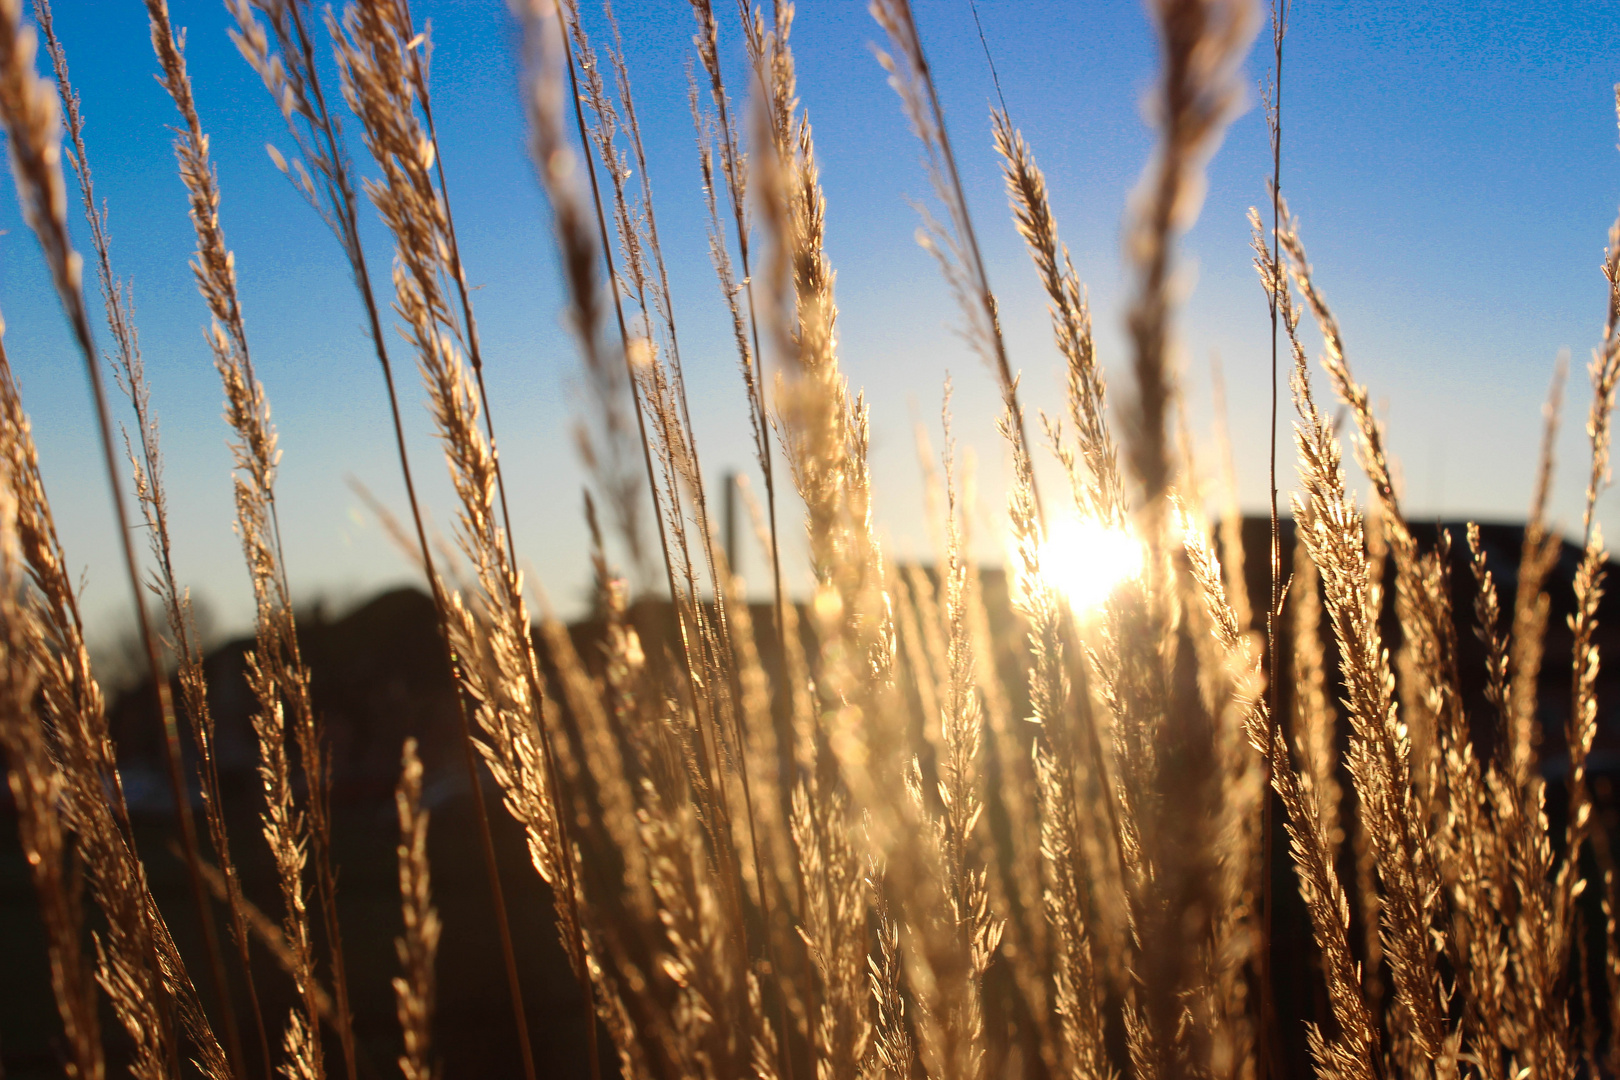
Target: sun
pixel 1086 560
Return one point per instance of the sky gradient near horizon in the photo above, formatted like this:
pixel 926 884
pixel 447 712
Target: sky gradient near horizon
pixel 1453 167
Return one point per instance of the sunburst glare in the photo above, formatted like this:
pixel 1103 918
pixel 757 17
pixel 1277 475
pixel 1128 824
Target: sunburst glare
pixel 1086 560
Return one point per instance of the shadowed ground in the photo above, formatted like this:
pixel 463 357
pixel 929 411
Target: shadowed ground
pixel 379 675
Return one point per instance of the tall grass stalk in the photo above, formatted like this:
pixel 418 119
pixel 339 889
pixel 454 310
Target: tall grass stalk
pixel 289 73
pixel 147 469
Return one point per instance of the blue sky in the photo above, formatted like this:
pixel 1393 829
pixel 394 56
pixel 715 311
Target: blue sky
pixel 1453 166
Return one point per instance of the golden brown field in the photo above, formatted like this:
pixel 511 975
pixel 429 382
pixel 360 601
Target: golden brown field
pixel 915 825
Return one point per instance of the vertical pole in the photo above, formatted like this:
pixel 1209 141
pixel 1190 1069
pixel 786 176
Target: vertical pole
pixel 730 523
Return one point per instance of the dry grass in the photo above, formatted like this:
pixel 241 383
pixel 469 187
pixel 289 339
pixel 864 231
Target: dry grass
pixel 827 846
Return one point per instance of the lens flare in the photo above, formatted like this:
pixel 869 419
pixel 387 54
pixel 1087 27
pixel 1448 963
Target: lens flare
pixel 1087 560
